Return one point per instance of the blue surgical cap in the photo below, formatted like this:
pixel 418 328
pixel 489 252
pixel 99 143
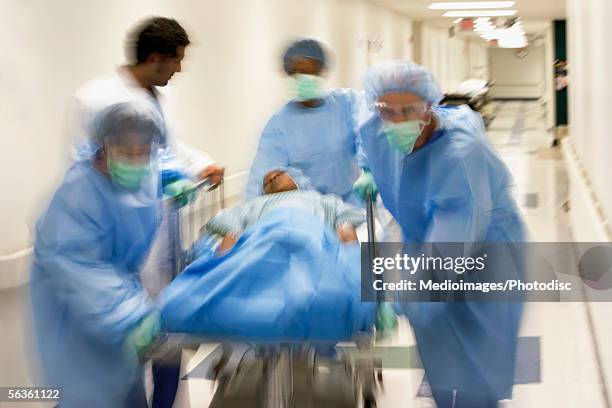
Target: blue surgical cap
pixel 306 47
pixel 400 77
pixel 126 117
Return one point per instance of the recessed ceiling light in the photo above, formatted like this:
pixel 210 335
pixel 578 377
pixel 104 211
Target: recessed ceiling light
pixel 480 13
pixel 469 5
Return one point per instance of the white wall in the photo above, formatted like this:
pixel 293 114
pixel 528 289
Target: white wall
pixel 515 77
pixel 231 84
pixel 590 92
pixel 478 54
pixel 49 48
pixel 452 60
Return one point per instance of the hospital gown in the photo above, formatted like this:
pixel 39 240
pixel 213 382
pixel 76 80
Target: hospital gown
pixel 320 142
pixel 329 208
pixel 454 189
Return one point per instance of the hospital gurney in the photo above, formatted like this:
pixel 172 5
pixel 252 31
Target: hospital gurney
pixel 274 374
pixel 475 94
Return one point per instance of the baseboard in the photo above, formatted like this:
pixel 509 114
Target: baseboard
pixel 587 218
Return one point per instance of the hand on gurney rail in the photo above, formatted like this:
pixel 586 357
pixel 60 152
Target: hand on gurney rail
pixel 141 337
pixel 181 190
pixel 214 174
pixel 365 185
pixel 386 320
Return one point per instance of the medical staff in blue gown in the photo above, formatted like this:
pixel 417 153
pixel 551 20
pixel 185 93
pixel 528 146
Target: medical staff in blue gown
pixel 92 316
pixel 315 132
pixel 442 181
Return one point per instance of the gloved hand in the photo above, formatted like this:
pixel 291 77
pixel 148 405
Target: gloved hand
pixel 182 190
pixel 144 333
pixel 386 320
pixel 171 175
pixel 365 184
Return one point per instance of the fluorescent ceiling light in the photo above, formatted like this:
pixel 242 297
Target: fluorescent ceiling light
pixel 506 37
pixel 519 42
pixel 503 31
pixel 468 5
pixel 480 13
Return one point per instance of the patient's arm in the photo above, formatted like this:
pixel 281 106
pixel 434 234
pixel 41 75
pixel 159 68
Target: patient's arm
pixel 346 233
pixel 228 242
pixel 227 221
pixel 345 217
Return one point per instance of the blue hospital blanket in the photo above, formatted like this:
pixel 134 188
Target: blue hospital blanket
pixel 287 278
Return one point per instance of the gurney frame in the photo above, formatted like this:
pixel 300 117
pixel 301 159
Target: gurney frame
pixel 277 377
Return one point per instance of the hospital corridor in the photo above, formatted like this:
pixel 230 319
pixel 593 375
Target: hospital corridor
pixel 290 204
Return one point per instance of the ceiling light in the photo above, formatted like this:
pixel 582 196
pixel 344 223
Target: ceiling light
pixel 506 37
pixel 480 13
pixel 512 42
pixel 472 5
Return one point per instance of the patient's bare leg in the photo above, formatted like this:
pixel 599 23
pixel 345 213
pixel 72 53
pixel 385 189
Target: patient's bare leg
pixel 346 233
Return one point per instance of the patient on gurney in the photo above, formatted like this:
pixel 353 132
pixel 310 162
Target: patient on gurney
pixel 287 278
pixel 286 188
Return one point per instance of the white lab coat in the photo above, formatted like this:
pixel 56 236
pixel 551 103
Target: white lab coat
pixel 121 86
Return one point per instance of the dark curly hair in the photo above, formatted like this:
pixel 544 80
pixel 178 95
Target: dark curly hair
pixel 154 35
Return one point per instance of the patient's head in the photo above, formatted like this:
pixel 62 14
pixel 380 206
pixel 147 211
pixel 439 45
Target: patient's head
pixel 277 181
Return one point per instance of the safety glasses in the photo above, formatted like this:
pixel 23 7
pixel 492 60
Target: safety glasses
pixel 403 112
pixel 132 154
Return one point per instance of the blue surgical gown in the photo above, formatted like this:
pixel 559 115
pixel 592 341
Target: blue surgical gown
pixel 85 288
pixel 454 189
pixel 320 141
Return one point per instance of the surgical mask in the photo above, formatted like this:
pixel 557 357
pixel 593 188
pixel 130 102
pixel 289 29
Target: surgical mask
pixel 403 135
pixel 128 175
pixel 308 87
